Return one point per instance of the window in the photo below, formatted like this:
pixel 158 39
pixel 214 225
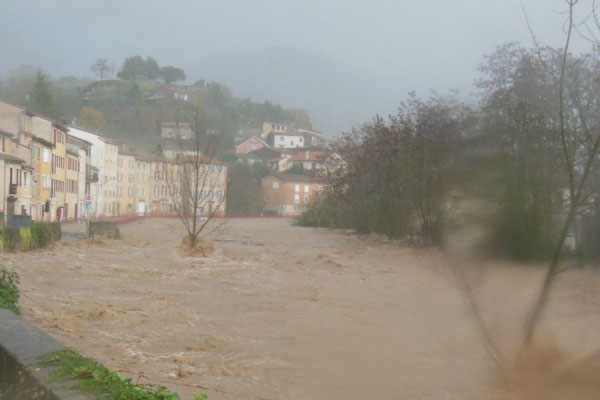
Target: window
pixel 297 188
pixel 25 179
pixel 119 190
pixel 275 184
pixel 291 143
pixel 306 198
pixel 131 164
pixel 46 182
pixel 119 177
pixel 306 188
pixel 131 178
pixel 47 154
pixel 296 198
pixel 281 138
pixel 156 191
pixel 120 162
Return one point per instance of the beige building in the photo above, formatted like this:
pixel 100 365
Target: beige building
pixel 290 195
pixel 109 185
pixel 173 184
pixel 143 185
pixel 16 169
pixel 126 183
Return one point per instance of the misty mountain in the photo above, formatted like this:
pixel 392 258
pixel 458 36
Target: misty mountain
pixel 336 95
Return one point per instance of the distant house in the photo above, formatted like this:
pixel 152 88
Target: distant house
pixel 263 154
pixel 280 135
pixel 310 160
pixel 251 144
pixel 290 195
pixel 244 134
pixel 173 130
pixel 313 138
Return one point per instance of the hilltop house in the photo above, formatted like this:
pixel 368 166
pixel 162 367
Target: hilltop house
pixel 310 160
pixel 250 144
pixel 289 194
pixel 280 135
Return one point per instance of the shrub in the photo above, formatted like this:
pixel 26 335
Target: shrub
pixel 35 236
pixel 326 216
pixel 9 290
pixel 55 229
pixel 25 233
pixel 93 378
pixel 41 235
pixel 11 239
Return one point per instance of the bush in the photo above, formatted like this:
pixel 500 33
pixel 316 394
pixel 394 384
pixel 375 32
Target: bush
pixel 25 233
pixel 35 236
pixel 325 216
pixel 55 229
pixel 11 239
pixel 42 234
pixel 9 290
pixel 93 378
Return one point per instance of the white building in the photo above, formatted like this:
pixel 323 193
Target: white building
pixel 97 158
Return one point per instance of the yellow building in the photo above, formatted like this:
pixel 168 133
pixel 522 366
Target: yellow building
pixel 110 198
pixel 59 172
pixel 71 210
pixel 143 186
pixel 173 186
pixel 126 183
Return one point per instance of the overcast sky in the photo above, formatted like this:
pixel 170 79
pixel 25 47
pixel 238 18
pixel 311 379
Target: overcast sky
pixel 431 43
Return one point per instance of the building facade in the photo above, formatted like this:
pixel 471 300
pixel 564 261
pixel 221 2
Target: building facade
pixel 290 195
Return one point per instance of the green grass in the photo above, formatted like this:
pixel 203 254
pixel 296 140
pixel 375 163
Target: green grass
pixel 9 290
pixel 92 378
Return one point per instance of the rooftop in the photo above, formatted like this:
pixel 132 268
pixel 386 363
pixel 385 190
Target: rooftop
pixel 297 178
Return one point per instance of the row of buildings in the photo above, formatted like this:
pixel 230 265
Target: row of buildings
pixel 50 171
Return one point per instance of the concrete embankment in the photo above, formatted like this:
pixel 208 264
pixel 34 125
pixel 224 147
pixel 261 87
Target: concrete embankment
pixel 21 347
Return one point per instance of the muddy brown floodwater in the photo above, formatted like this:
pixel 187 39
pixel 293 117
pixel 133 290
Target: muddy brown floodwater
pixel 283 312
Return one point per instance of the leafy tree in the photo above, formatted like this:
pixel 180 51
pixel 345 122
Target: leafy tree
pixel 244 193
pixel 41 99
pixel 91 119
pixel 299 118
pixel 171 74
pixel 137 68
pixel 132 69
pixel 518 116
pixel 397 175
pixel 296 169
pixel 101 67
pixel 151 69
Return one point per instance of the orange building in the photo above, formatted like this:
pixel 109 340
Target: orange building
pixel 288 194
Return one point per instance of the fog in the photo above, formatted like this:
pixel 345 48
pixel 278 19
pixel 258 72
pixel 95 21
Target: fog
pixel 258 48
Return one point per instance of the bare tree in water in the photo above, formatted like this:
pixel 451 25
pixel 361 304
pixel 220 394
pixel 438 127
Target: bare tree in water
pixel 194 177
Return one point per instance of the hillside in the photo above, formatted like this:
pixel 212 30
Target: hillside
pixel 132 110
